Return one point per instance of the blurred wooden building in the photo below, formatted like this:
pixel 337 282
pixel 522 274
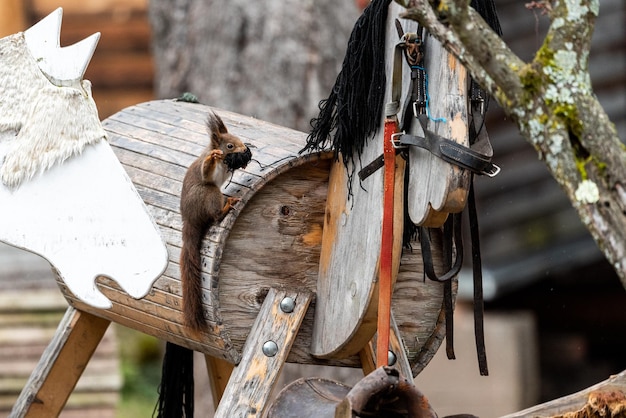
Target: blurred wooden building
pixel 121 70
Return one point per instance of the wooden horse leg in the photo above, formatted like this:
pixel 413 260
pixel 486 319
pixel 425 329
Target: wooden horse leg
pixel 219 372
pixel 61 365
pixel 264 354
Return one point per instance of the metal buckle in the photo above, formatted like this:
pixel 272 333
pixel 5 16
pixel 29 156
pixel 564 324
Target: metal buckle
pixel 493 172
pixel 396 142
pixel 416 110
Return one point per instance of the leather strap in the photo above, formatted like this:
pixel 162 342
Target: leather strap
pixel 385 276
pixel 479 323
pixel 449 151
pixel 386 249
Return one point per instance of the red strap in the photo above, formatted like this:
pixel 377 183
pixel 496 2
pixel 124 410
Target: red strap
pixel 386 249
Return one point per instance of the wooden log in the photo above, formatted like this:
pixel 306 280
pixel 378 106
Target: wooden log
pixel 605 399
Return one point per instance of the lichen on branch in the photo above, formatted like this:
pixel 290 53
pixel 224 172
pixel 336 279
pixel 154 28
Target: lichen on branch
pixel 552 102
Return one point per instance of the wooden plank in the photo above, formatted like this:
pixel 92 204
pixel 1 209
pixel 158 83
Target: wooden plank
pixel 219 373
pixel 215 344
pixel 284 214
pixel 286 217
pixel 112 99
pixel 273 239
pixel 36 300
pixel 61 365
pixel 349 261
pixel 437 188
pixel 123 33
pixel 253 380
pixel 248 127
pixel 185 130
pixel 119 68
pixel 189 147
pixel 136 160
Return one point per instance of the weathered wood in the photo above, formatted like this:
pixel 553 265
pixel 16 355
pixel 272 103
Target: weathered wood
pixel 219 372
pixel 436 187
pixel 396 346
pixel 97 225
pixel 607 398
pixel 349 262
pixel 252 381
pixel 61 365
pixel 273 238
pixel 28 320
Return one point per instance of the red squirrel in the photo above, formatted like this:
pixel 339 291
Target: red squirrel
pixel 201 205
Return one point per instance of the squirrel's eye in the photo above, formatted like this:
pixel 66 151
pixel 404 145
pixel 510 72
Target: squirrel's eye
pixel 230 146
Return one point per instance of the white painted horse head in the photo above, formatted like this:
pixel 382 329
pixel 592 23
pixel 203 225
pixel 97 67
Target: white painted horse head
pixel 63 193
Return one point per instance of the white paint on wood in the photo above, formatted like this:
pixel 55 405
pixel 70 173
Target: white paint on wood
pixel 86 218
pixel 41 124
pixel 64 194
pixel 63 66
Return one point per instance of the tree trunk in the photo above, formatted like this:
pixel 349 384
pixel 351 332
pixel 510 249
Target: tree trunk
pixel 274 60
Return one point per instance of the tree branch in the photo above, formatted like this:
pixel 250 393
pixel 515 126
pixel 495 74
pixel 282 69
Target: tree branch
pixel 552 102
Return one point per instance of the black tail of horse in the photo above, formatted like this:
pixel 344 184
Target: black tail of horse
pixel 177 385
pixel 352 111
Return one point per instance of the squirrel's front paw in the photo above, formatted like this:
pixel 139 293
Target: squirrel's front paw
pixel 230 202
pixel 215 154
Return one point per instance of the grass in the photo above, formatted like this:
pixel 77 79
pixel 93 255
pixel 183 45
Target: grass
pixel 140 356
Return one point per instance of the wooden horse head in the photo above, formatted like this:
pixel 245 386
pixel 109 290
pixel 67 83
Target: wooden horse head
pixel 64 194
pixel 349 265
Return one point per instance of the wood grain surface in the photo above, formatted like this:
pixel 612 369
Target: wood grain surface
pixel 271 239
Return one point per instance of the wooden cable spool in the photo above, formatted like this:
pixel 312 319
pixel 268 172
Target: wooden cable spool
pixel 272 238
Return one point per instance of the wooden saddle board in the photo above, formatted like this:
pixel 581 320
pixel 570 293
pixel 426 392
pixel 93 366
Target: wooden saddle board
pixel 349 265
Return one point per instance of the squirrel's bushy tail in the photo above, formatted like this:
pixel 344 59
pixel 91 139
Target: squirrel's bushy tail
pixel 191 277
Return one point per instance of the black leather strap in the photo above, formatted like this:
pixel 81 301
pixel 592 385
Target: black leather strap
pixel 449 151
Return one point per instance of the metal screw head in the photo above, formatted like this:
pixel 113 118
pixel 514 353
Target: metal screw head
pixel 391 358
pixel 287 305
pixel 270 348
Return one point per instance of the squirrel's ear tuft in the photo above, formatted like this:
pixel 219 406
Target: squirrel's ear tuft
pixel 215 124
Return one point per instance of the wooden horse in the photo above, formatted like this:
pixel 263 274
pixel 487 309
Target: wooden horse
pixel 292 248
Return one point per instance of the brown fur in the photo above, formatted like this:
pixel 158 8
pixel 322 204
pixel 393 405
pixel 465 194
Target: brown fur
pixel 201 205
